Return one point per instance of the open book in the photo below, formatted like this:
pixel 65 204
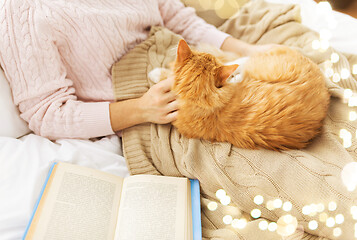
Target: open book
pixel 82 203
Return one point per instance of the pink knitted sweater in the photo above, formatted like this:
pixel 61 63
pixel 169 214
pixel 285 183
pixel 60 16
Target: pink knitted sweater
pixel 57 56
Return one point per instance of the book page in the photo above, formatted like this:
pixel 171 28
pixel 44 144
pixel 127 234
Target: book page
pixel 81 203
pixel 153 207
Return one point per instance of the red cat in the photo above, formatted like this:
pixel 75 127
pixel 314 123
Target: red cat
pixel 279 104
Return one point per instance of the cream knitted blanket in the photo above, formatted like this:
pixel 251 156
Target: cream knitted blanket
pixel 302 177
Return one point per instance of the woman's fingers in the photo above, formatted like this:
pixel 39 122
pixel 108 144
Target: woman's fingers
pixel 172 106
pixel 166 85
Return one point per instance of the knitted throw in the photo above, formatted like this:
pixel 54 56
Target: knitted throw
pixel 303 177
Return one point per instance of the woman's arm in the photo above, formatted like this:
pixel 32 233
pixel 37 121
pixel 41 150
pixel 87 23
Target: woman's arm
pixel 45 96
pixel 157 105
pixel 243 48
pixel 184 21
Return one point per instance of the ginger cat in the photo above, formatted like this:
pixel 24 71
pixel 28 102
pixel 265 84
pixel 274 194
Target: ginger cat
pixel 279 104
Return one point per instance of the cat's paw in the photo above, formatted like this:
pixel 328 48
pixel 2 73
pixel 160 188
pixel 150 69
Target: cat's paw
pixel 155 74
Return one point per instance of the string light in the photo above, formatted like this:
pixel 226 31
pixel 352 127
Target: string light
pixel 278 203
pixel 226 200
pixel 320 207
pixel 270 205
pixel 345 73
pixel 212 206
pixel 286 225
pixel 316 44
pixel 306 210
pixel 313 225
pixel 349 177
pixel 353 116
pixel 347 93
pixel 256 213
pixel 272 226
pixel 337 232
pixel 263 225
pixel 332 206
pixel 227 219
pixel 323 217
pixel 330 222
pixel 258 199
pixel 287 206
pixel 239 223
pixel 336 77
pixel 220 193
pixel 339 219
pixel 329 72
pixel 335 57
pixel 354 69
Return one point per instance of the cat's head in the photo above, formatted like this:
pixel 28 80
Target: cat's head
pixel 198 74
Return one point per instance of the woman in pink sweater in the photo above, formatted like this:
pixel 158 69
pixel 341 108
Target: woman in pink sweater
pixel 57 56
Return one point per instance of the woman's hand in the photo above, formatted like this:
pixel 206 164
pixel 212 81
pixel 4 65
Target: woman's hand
pixel 159 103
pixel 243 48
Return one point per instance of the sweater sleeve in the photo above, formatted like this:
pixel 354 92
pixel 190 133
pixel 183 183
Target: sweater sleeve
pixel 184 21
pixel 45 96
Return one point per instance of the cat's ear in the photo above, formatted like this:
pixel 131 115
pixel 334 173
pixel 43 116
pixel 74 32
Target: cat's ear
pixel 183 51
pixel 226 71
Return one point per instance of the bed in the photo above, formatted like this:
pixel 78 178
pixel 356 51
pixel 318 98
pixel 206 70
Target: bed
pixel 26 158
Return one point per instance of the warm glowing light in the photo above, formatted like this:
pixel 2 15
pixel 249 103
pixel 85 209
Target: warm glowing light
pixel 337 232
pixel 272 226
pixel 287 206
pixel 220 193
pixel 286 225
pixel 335 57
pixel 306 210
pixel 347 93
pixel 320 207
pixel 352 101
pixel 316 44
pixel 263 225
pixel 313 225
pixel 270 205
pixel 349 176
pixel 353 116
pixel 329 72
pixel 226 200
pixel 227 219
pixel 324 44
pixel 354 210
pixel 347 143
pixel 256 213
pixel 345 134
pixel 239 223
pixel 339 219
pixel 278 203
pixel 336 77
pixel 354 69
pixel 258 199
pixel 332 206
pixel 345 73
pixel 330 222
pixel 323 217
pixel 212 206
pixel 313 208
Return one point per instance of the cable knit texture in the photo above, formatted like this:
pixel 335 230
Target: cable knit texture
pixel 57 56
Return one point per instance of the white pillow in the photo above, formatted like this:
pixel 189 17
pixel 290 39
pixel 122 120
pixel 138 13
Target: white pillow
pixel 11 125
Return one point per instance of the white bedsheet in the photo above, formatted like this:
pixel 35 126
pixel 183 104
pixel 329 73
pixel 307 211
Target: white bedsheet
pixel 24 162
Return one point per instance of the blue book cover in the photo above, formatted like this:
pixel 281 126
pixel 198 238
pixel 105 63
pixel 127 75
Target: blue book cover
pixel 39 198
pixel 196 209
